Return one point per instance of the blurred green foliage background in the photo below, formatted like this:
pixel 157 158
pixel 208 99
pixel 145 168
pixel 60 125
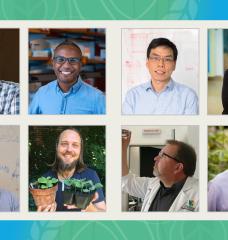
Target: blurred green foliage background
pixel 217 150
pixel 42 150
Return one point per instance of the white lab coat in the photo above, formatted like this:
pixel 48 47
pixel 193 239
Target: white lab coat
pixel 147 188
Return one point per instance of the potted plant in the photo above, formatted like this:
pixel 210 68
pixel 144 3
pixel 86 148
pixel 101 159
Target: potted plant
pixel 69 191
pixel 84 191
pixel 44 190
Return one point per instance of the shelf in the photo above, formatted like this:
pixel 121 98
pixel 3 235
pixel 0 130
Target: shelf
pixel 84 60
pixel 39 58
pixel 61 31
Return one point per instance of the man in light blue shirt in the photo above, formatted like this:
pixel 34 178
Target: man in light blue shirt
pixel 68 94
pixel 8 202
pixel 161 95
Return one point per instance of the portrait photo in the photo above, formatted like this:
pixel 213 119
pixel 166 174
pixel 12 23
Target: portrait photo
pixel 160 168
pixel 67 168
pixel 67 71
pixel 160 71
pixel 217 71
pixel 9 72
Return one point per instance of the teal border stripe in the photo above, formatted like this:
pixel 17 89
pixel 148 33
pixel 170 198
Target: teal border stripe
pixel 114 230
pixel 113 10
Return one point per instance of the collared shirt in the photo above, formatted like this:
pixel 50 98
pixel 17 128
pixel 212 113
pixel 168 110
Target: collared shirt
pixel 9 97
pixel 147 188
pixel 218 193
pixel 81 99
pixel 166 196
pixel 176 98
pixel 8 202
pixel 87 173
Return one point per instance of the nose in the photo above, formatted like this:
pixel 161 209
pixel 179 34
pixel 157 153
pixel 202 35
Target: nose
pixel 69 148
pixel 66 64
pixel 161 62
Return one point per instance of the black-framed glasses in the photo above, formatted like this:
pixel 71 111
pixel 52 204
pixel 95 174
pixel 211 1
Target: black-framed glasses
pixel 162 154
pixel 71 60
pixel 157 59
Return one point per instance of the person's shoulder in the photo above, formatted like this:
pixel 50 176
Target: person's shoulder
pixel 49 173
pixel 48 86
pixel 221 177
pixel 91 89
pixel 182 88
pixel 193 181
pixel 139 88
pixel 5 193
pixel 88 171
pixel 9 85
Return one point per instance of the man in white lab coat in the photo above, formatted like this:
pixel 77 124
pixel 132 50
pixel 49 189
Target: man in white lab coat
pixel 173 188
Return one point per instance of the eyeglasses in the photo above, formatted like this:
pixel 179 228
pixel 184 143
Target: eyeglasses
pixel 157 59
pixel 162 154
pixel 71 60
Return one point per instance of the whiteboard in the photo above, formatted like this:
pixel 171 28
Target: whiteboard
pixel 134 47
pixel 9 158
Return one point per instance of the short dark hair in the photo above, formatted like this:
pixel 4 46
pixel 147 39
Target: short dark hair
pixel 80 165
pixel 157 42
pixel 186 155
pixel 67 43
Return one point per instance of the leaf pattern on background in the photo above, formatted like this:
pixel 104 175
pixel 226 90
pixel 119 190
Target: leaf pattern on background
pixel 98 9
pixel 182 9
pixel 41 230
pixel 134 230
pixel 197 230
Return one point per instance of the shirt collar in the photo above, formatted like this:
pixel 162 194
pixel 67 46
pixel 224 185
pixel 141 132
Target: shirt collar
pixel 175 186
pixel 74 88
pixel 169 86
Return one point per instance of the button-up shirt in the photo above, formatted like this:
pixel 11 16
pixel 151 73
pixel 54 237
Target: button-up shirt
pixel 80 99
pixel 8 202
pixel 175 98
pixel 9 97
pixel 166 196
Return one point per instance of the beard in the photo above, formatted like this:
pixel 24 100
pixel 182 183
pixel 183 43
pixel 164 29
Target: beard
pixel 156 172
pixel 62 166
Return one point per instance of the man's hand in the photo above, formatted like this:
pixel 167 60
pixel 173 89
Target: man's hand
pixel 47 208
pixel 126 137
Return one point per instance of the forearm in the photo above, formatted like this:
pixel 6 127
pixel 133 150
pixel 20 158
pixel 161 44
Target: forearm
pixel 125 169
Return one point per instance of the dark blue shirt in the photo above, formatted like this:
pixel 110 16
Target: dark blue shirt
pixel 87 173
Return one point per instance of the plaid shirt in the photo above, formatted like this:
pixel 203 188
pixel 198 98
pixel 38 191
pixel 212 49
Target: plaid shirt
pixel 9 97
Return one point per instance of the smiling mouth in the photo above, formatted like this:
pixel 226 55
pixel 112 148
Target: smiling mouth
pixel 65 72
pixel 159 72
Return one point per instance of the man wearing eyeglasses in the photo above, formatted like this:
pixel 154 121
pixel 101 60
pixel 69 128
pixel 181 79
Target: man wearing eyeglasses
pixel 173 188
pixel 161 95
pixel 68 94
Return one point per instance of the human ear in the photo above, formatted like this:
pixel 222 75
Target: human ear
pixel 179 167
